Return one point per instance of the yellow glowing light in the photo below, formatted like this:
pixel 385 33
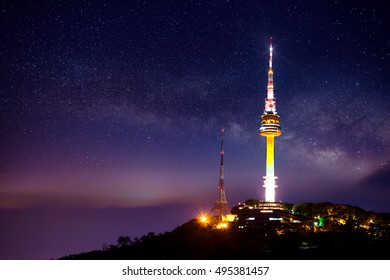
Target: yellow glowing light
pixel 229 218
pixel 203 219
pixel 270 156
pixel 222 226
pixel 342 221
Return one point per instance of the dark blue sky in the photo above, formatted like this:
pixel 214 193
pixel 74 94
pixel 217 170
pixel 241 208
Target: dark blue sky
pixel 117 107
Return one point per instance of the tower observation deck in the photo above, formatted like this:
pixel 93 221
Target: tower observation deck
pixel 270 128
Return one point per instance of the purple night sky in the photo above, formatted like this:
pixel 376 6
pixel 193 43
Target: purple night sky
pixel 111 113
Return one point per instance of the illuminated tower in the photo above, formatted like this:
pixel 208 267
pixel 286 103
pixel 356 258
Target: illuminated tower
pixel 270 128
pixel 221 204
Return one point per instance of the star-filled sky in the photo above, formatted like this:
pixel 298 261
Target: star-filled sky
pixel 111 113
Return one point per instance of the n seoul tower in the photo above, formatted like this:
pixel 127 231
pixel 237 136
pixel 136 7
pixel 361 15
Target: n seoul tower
pixel 270 128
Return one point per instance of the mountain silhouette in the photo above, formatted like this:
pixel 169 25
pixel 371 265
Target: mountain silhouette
pixel 326 231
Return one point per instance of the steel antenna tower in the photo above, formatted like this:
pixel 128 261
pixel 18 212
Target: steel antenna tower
pixel 221 204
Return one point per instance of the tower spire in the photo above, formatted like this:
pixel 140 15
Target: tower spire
pixel 221 204
pixel 270 54
pixel 270 104
pixel 270 128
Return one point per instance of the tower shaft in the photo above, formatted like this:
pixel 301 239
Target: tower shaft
pixel 221 204
pixel 269 178
pixel 270 143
